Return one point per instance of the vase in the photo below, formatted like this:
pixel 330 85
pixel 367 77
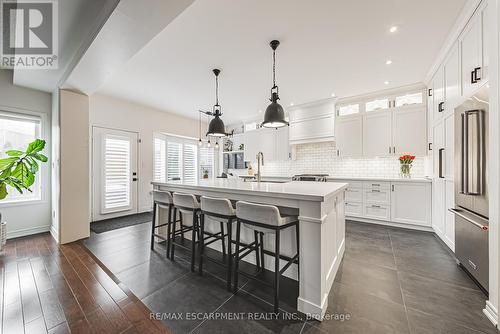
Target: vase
pixel 405 170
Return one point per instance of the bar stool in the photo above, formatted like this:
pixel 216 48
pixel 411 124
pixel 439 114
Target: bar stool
pixel 162 200
pixel 218 209
pixel 265 219
pixel 185 204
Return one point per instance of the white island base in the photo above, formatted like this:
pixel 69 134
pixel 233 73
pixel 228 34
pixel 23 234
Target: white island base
pixel 320 207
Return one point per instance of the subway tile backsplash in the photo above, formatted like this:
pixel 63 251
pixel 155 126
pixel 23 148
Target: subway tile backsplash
pixel 321 158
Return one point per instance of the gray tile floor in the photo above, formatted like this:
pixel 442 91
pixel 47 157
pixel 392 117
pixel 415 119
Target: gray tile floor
pixel 390 281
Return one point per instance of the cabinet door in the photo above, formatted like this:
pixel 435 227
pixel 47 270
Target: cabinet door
pixel 377 134
pixel 410 203
pixel 452 79
pixel 282 144
pixel 449 229
pixel 438 206
pixel 267 143
pixel 409 131
pixel 316 129
pixel 349 136
pixel 471 46
pixel 449 146
pixel 438 92
pixel 485 40
pixel 251 145
pixel 430 117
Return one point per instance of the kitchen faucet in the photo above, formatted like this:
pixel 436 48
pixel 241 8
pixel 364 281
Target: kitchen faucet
pixel 260 161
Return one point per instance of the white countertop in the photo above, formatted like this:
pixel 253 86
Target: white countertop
pixel 314 191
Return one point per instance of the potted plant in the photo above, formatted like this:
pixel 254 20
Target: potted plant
pixel 18 171
pixel 205 174
pixel 405 162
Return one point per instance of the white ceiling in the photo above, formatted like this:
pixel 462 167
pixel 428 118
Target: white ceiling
pixel 327 46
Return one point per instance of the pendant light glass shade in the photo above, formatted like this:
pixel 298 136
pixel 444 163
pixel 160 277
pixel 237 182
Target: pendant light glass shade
pixel 216 128
pixel 275 115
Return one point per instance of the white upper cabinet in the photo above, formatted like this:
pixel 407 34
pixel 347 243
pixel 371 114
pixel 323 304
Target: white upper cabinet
pixel 452 79
pixel 409 131
pixel 282 146
pixel 312 123
pixel 377 134
pixel 438 94
pixel 252 143
pixel 471 45
pixel 349 136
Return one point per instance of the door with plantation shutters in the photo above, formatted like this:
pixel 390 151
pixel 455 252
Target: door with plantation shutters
pixel 114 173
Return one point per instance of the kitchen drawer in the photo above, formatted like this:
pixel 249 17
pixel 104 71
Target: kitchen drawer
pixel 352 184
pixel 375 211
pixel 353 209
pixel 377 196
pixel 354 195
pixel 376 185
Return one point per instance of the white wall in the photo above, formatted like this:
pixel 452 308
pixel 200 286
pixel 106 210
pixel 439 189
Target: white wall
pixel 31 217
pixel 110 112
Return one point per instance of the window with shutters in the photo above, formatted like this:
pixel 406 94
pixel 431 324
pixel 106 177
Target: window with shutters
pixel 178 158
pixel 117 173
pixel 16 132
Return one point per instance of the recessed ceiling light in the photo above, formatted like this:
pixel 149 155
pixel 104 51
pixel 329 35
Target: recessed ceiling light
pixel 393 29
pixel 388 62
pixel 260 111
pixel 291 104
pixel 333 95
pixel 386 82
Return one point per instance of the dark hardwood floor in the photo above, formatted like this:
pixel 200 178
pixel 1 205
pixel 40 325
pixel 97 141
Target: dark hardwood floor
pixel 47 288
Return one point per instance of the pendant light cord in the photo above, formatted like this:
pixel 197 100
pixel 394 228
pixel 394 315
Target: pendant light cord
pixel 216 90
pixel 274 68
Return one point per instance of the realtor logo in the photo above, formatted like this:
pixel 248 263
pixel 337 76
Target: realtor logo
pixel 29 34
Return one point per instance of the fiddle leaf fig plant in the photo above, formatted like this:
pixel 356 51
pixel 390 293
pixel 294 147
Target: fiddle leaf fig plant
pixel 19 168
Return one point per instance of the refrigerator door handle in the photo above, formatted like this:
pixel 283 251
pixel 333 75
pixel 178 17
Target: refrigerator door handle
pixel 458 213
pixel 464 153
pixel 441 150
pixel 474 149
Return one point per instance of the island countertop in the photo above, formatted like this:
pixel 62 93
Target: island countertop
pixel 301 190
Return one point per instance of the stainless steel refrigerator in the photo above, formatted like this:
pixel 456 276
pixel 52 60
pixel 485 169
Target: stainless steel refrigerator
pixel 471 186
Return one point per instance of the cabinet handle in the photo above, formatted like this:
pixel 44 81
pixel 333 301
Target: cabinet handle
pixel 394 149
pixel 392 186
pixel 473 77
pixel 430 92
pixel 441 163
pixel 430 146
pixel 476 76
pixel 441 107
pixel 375 185
pixel 338 153
pixel 389 150
pixel 375 191
pixel 376 206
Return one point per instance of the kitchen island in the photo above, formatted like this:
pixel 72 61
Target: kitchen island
pixel 320 208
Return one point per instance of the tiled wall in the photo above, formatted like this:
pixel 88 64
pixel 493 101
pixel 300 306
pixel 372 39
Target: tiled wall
pixel 321 158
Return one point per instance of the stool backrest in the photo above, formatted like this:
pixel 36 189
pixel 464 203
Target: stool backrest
pixel 186 201
pixel 220 206
pixel 162 197
pixel 259 213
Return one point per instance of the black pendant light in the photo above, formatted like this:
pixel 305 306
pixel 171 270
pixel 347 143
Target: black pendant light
pixel 275 115
pixel 216 127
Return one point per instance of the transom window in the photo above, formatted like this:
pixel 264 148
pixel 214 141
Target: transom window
pixel 377 104
pixel 348 110
pixel 407 99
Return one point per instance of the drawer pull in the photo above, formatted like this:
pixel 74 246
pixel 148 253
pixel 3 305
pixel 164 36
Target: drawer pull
pixel 352 190
pixel 375 191
pixel 376 206
pixel 375 185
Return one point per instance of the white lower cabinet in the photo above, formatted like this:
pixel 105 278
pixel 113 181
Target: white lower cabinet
pixel 403 203
pixel 411 203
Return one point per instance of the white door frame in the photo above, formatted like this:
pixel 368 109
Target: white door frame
pixel 95 183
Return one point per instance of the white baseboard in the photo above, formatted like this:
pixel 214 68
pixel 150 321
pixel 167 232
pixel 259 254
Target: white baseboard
pixel 26 231
pixel 55 233
pixel 386 223
pixel 491 313
pixel 313 310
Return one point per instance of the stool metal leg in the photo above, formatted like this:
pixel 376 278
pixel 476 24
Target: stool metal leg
pixel 174 223
pixel 202 243
pixel 236 256
pixel 298 249
pixel 153 223
pixel 229 253
pixel 277 272
pixel 223 241
pixel 169 223
pixel 262 250
pixel 257 258
pixel 193 239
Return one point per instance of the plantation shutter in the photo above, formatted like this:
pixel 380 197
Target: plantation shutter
pixel 174 161
pixel 206 162
pixel 117 173
pixel 160 160
pixel 190 163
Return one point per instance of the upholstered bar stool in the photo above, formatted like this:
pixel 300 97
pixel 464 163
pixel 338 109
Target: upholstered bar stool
pixel 162 200
pixel 185 204
pixel 221 210
pixel 265 219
